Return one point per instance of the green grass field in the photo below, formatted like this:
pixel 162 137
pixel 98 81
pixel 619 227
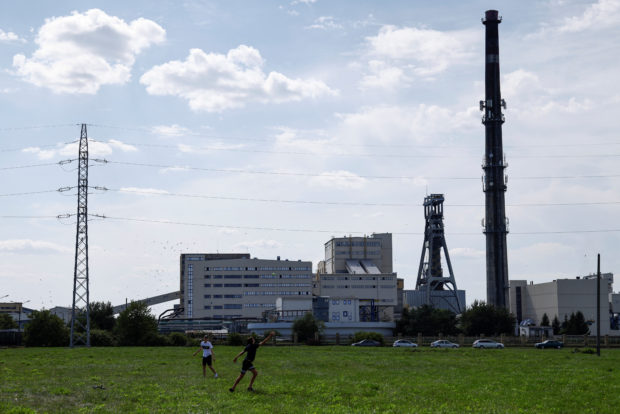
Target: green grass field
pixel 304 379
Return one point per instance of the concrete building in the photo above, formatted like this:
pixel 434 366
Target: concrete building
pixel 227 286
pixel 562 297
pixel 359 269
pixel 374 251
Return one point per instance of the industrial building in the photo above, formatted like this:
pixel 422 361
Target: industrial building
pixel 228 286
pixel 562 297
pixel 358 270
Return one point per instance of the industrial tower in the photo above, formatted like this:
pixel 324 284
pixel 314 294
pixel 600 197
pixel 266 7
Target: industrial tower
pixel 494 182
pixel 80 315
pixel 436 287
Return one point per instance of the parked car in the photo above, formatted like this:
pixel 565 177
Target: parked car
pixel 487 343
pixel 367 342
pixel 442 343
pixel 549 344
pixel 405 343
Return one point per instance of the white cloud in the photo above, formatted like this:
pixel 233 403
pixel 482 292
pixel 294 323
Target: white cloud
pixel 173 130
pixel 192 149
pixel 383 76
pixel 81 52
pixel 602 14
pixel 144 191
pixel 214 82
pixel 393 124
pixel 8 37
pixel 467 253
pixel 28 246
pixel 427 52
pixel 264 244
pixel 95 148
pixel 325 23
pixel 338 179
pixel 528 97
pixel 306 2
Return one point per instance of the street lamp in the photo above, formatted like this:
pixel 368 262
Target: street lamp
pixel 2 297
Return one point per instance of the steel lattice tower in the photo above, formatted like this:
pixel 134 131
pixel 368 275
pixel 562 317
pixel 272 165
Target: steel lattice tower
pixel 494 181
pixel 431 280
pixel 80 273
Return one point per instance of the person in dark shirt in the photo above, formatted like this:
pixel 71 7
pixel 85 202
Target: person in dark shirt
pixel 248 362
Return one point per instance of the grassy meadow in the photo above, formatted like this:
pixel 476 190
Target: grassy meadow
pixel 302 379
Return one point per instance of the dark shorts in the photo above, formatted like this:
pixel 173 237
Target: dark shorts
pixel 206 361
pixel 247 366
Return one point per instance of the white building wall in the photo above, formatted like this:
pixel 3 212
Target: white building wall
pixel 240 287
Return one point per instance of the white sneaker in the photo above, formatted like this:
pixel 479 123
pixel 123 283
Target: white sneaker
pixel 215 376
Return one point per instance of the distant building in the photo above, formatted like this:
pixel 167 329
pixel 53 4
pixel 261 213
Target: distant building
pixel 229 286
pixel 359 269
pixel 562 297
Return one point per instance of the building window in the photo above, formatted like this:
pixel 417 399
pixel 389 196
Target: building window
pixel 233 306
pixel 207 296
pixel 207 284
pixel 232 284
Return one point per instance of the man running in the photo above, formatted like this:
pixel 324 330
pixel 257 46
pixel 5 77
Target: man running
pixel 248 362
pixel 207 356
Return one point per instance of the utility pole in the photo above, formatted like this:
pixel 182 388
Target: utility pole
pixel 80 272
pixel 598 305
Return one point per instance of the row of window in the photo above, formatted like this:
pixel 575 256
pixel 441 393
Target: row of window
pixel 238 296
pixel 356 278
pixel 281 293
pixel 358 253
pixel 259 305
pixel 225 306
pixel 238 285
pixel 358 243
pixel 268 268
pixel 266 276
pixel 344 301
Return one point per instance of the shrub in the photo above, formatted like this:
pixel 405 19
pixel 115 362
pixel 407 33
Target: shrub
pixel 234 339
pixel 375 336
pixel 136 326
pixel 46 329
pixel 177 339
pixel 100 337
pixel 7 322
pixel 306 327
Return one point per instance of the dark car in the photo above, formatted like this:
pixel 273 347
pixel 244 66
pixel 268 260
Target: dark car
pixel 366 342
pixel 549 344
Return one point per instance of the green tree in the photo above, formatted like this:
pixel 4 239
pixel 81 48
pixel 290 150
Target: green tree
pixel 556 325
pixel 46 329
pixel 576 324
pixel 102 316
pixel 545 320
pixel 306 327
pixel 136 326
pixel 427 321
pixel 7 322
pixel 481 318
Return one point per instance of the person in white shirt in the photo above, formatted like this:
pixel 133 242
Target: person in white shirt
pixel 207 356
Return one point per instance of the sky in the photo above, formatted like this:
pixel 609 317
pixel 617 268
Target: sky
pixel 269 127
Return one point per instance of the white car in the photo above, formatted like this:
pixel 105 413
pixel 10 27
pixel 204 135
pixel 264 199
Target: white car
pixel 442 343
pixel 405 343
pixel 487 343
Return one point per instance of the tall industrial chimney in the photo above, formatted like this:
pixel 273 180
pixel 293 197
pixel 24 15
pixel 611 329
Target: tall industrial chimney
pixel 494 183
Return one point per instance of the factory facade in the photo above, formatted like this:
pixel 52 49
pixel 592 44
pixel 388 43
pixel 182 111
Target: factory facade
pixel 562 297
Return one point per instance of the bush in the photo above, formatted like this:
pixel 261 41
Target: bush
pixel 375 336
pixel 234 339
pixel 46 329
pixel 306 327
pixel 177 339
pixel 100 337
pixel 136 326
pixel 7 322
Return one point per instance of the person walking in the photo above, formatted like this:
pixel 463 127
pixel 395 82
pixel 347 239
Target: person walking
pixel 207 356
pixel 248 362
